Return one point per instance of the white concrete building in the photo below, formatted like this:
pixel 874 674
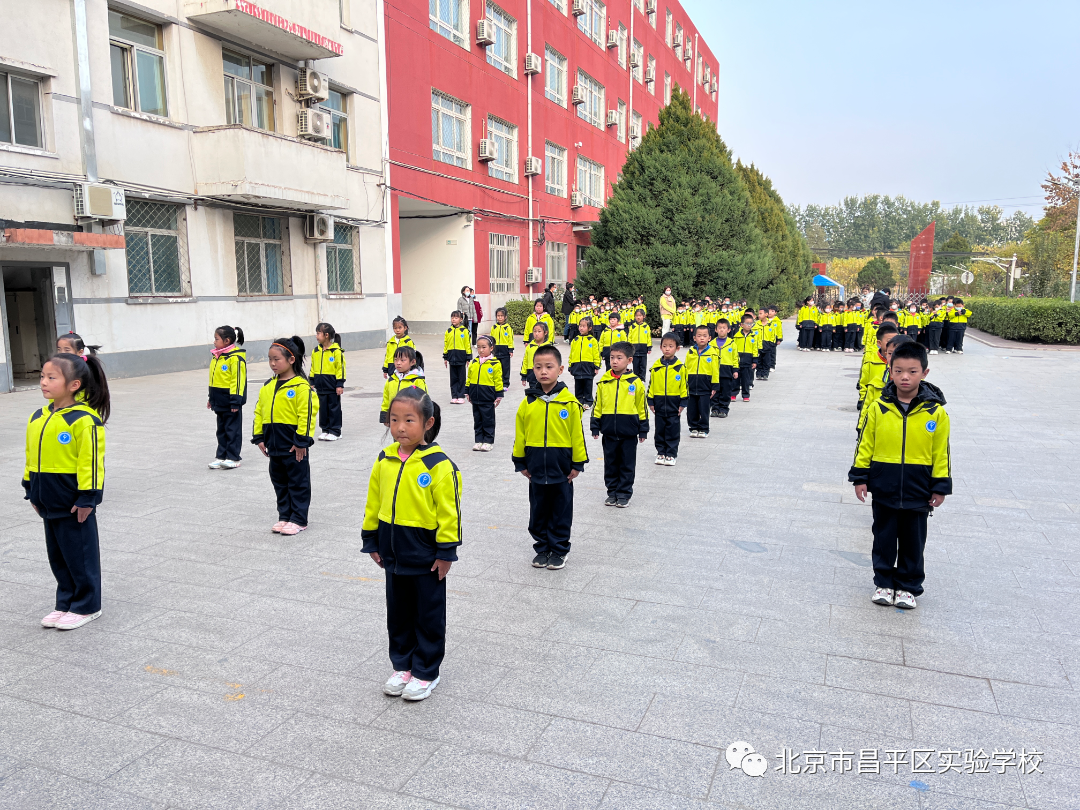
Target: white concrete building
pixel 203 135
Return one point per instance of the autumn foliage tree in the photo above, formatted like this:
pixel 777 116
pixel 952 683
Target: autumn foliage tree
pixel 1061 196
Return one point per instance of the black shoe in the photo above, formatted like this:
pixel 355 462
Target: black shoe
pixel 541 560
pixel 622 503
pixel 722 415
pixel 555 562
pixel 611 501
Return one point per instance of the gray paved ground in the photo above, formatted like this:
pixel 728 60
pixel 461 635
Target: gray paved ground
pixel 233 668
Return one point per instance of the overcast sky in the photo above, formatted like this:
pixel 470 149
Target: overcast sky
pixel 950 100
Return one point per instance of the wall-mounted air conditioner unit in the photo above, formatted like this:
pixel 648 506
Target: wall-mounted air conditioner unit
pixel 612 118
pixel 635 131
pixel 613 39
pixel 534 275
pixel 715 85
pixel 578 94
pixel 533 63
pixel 676 39
pixel 319 228
pixel 650 6
pixel 579 8
pixel 313 125
pixel 650 74
pixel 310 84
pixel 485 33
pixel 488 150
pixel 533 165
pixel 635 60
pixel 99 201
pixel 577 199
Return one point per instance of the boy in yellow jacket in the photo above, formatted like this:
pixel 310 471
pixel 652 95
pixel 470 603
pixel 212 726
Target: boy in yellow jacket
pixel 621 416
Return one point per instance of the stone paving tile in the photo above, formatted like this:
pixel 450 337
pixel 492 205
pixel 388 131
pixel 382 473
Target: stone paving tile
pixel 83 690
pixel 34 788
pixel 322 792
pixel 910 683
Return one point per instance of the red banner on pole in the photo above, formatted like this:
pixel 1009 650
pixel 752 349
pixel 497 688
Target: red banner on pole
pixel 920 262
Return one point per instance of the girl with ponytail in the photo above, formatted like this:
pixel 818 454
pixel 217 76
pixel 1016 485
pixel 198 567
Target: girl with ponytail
pixel 285 429
pixel 411 529
pixel 64 479
pixel 328 377
pixel 228 394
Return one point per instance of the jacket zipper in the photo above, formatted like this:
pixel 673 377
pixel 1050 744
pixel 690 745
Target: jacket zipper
pixel 903 453
pixel 393 508
pixel 546 407
pixel 41 439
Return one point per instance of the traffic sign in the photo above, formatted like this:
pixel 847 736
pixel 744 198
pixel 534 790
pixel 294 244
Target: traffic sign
pixel 967 277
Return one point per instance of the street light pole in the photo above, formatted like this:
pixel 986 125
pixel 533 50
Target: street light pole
pixel 1076 248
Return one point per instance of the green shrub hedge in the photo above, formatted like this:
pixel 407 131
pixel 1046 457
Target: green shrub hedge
pixel 1034 320
pixel 517 312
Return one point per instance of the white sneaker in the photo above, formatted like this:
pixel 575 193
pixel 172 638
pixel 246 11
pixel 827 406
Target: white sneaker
pixel 485 448
pixel 477 447
pixel 905 600
pixel 215 464
pixel 226 464
pixel 397 683
pixel 417 689
pixel 659 460
pixel 329 437
pixel 670 461
pixel 959 351
pixel 72 621
pixel 322 437
pixel 933 351
pixel 883 596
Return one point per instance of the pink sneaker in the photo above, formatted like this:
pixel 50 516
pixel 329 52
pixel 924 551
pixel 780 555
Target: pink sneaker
pixel 397 683
pixel 290 529
pixel 70 621
pixel 53 618
pixel 277 527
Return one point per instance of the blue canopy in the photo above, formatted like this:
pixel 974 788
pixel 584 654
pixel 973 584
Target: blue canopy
pixel 825 281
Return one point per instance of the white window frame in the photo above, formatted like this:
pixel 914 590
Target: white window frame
pixel 555 80
pixel 554 169
pixel 504 166
pixel 622 121
pixel 339 118
pixel 334 252
pixel 254 87
pixel 282 243
pixel 555 262
pixel 8 78
pixel 503 54
pixel 668 27
pixel 593 23
pixel 638 71
pixel 592 111
pixel 652 67
pixel 590 181
pixel 560 5
pixel 440 152
pixel 133 230
pixel 667 88
pixel 131 49
pixel 504 264
pixel 636 119
pixel 458 34
pixel 679 48
pixel 622 45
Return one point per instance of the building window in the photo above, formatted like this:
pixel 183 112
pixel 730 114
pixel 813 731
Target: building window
pixel 652 72
pixel 259 251
pixel 622 45
pixel 638 70
pixel 554 169
pixel 20 111
pixel 555 270
pixel 249 95
pixel 560 5
pixel 667 87
pixel 651 16
pixel 343 261
pixel 337 107
pixel 700 70
pixel 504 166
pixel 636 132
pixel 581 253
pixel 679 37
pixel 590 181
pixel 156 249
pixel 593 108
pixel 450 18
pixel 667 27
pixel 593 22
pixel 503 263
pixel 449 130
pixel 640 5
pixel 138 64
pixel 555 81
pixel 503 54
pixel 622 121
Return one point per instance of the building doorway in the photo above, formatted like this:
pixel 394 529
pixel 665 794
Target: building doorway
pixel 36 308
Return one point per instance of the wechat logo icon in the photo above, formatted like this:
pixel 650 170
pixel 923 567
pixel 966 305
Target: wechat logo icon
pixel 741 755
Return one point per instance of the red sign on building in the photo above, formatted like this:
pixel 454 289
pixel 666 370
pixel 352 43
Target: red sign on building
pixel 920 262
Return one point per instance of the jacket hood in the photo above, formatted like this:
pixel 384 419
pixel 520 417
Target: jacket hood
pixel 419 452
pixel 627 375
pixel 536 391
pixel 928 392
pixel 414 372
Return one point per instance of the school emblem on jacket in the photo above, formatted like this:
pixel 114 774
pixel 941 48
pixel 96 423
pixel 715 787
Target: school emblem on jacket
pixel 630 388
pixel 224 367
pixel 424 479
pixel 64 438
pixel 708 359
pixel 563 414
pixel 491 369
pixel 931 426
pixel 330 359
pixel 678 377
pixel 290 393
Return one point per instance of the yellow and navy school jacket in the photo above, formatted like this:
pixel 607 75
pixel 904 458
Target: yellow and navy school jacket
pixel 549 440
pixel 904 457
pixel 640 335
pixel 667 385
pixel 584 356
pixel 808 316
pixel 870 346
pixel 702 370
pixel 620 409
pixel 65 459
pixel 285 415
pixel 872 376
pixel 938 315
pixel 728 354
pixel 527 359
pixel 483 379
pixel 228 380
pixel 327 368
pixel 393 343
pixel 503 335
pixel 532 320
pixel 457 346
pixel 413 513
pixel 767 330
pixel 396 381
pixel 778 328
pixel 958 315
pixel 747 344
pixel 827 318
pixel 608 337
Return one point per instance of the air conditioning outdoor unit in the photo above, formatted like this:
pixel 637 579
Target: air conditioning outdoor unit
pixel 613 39
pixel 650 6
pixel 612 118
pixel 310 84
pixel 577 199
pixel 533 63
pixel 635 131
pixel 676 39
pixel 578 94
pixel 533 165
pixel 578 8
pixel 313 125
pixel 485 33
pixel 534 275
pixel 99 201
pixel 488 150
pixel 715 85
pixel 650 74
pixel 635 60
pixel 319 228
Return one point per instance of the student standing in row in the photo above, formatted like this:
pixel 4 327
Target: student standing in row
pixel 610 336
pixel 64 479
pixel 584 362
pixel 702 380
pixel 640 337
pixel 621 416
pixel 457 351
pixel 408 373
pixel 400 338
pixel 667 397
pixel 484 383
pixel 540 315
pixel 503 335
pixel 728 374
pixel 228 394
pixel 328 379
pixel 746 344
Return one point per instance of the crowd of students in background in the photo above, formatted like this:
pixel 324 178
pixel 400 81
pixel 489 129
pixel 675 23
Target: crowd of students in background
pixel 937 324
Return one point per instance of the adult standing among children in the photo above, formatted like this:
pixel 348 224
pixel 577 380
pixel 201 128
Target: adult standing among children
pixel 569 301
pixel 549 300
pixel 667 310
pixel 468 312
